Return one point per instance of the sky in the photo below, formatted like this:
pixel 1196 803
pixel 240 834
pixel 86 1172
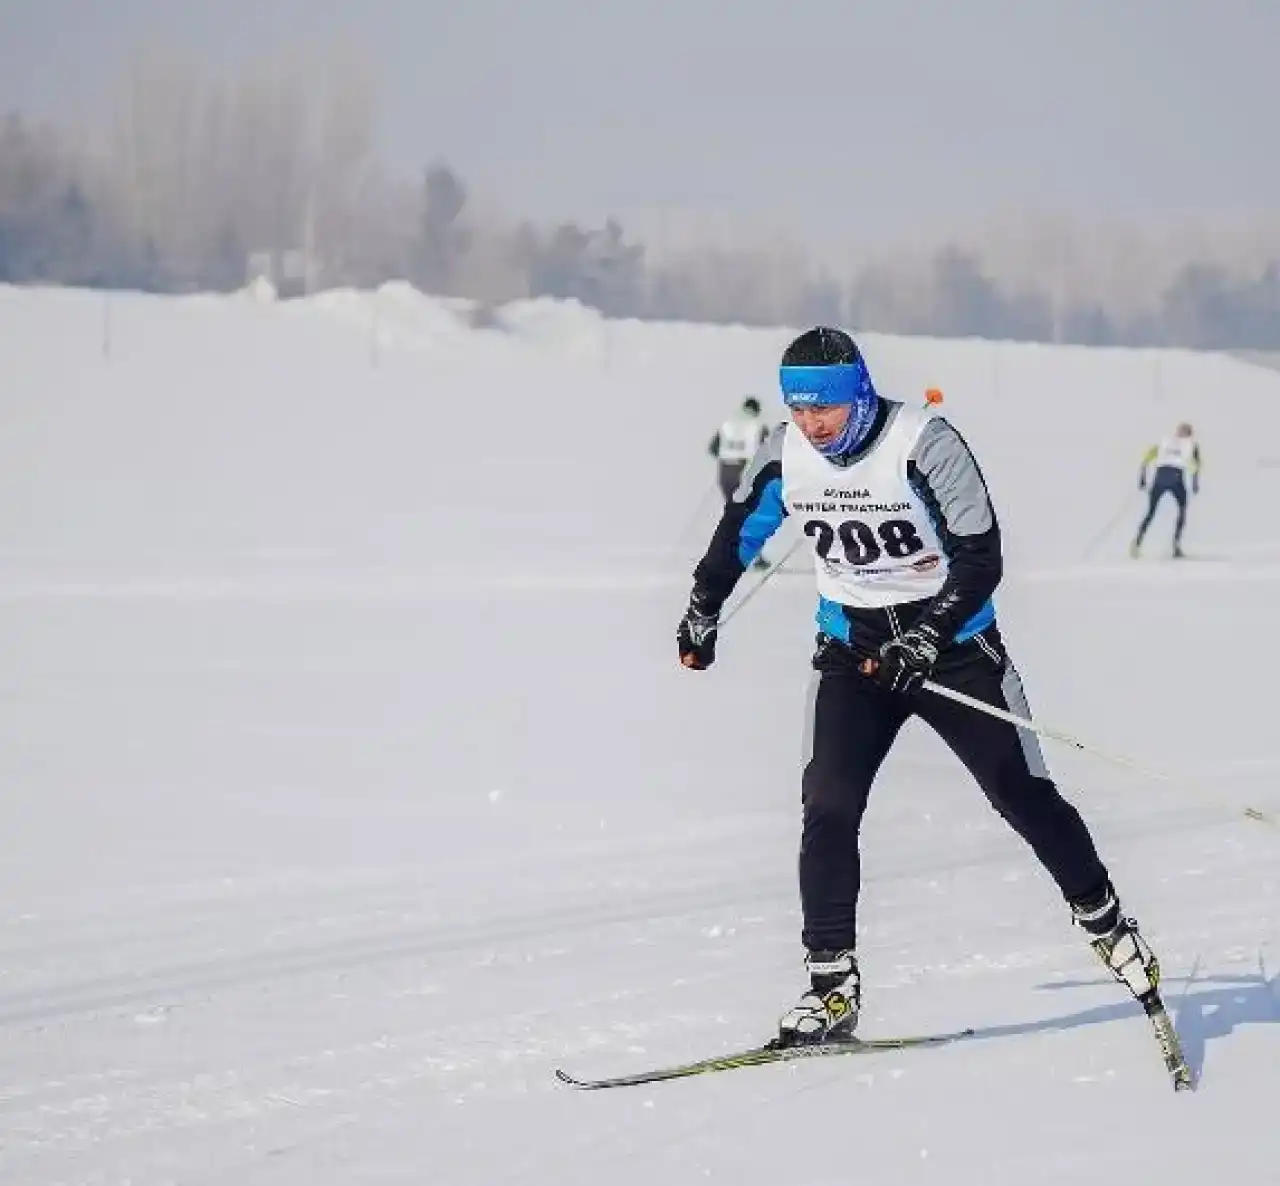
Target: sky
pixel 823 119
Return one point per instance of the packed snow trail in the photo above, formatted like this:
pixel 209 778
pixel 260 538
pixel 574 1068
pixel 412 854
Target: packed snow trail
pixel 336 820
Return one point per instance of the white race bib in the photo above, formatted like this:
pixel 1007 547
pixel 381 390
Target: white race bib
pixel 739 439
pixel 1176 453
pixel 874 543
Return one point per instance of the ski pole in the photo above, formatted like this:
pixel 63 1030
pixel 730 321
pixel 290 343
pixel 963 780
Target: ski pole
pixel 1066 739
pixel 750 593
pixel 1121 511
pixel 868 667
pixel 1042 730
pixel 708 496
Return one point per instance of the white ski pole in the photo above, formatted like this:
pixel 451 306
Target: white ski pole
pixel 1042 730
pixel 750 593
pixel 1066 739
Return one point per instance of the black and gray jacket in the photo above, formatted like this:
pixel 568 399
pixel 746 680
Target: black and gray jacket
pixel 944 475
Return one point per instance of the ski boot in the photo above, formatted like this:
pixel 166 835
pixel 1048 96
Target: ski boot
pixel 828 1012
pixel 1117 943
pixel 1129 958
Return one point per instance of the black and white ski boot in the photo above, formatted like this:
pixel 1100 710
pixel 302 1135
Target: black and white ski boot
pixel 1117 942
pixel 1129 958
pixel 828 1012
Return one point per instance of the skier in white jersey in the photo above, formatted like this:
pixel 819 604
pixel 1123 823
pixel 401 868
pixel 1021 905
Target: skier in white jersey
pixel 735 444
pixel 1169 465
pixel 907 553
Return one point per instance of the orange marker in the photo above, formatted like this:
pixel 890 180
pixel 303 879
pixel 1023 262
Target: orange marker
pixel 933 396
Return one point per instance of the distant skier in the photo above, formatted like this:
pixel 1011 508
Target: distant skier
pixel 907 556
pixel 1165 470
pixel 735 444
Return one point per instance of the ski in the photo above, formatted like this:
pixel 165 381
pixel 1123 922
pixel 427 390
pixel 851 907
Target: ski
pixel 756 1056
pixel 1175 1061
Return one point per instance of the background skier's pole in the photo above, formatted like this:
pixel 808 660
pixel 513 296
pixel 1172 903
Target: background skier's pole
pixel 1121 511
pixel 713 491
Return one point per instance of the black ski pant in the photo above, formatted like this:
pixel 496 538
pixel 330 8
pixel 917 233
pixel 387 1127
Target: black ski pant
pixel 852 725
pixel 1167 480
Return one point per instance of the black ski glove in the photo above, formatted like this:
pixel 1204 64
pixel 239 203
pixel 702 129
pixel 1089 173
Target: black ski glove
pixel 906 662
pixel 696 635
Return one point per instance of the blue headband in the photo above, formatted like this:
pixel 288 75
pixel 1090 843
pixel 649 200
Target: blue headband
pixel 809 386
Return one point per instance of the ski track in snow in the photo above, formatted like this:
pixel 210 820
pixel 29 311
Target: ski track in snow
pixel 335 823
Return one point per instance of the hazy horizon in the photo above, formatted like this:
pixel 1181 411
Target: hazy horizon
pixel 839 122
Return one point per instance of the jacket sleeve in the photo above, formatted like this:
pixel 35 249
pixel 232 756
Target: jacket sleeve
pixel 751 516
pixel 1147 458
pixel 945 474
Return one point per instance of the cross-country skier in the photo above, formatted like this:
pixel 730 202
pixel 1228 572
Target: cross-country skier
pixel 907 556
pixel 735 444
pixel 1165 470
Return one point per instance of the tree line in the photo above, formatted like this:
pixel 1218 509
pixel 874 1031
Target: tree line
pixel 188 180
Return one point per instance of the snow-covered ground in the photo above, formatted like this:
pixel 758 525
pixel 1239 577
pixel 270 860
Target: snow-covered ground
pixel 350 784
